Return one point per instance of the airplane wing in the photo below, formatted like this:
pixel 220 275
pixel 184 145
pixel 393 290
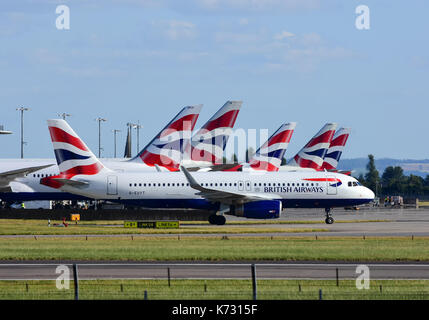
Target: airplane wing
pixel 72 183
pixel 8 176
pixel 226 197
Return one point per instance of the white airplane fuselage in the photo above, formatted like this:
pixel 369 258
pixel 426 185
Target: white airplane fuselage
pixel 172 190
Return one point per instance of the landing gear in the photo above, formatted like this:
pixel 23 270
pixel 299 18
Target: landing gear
pixel 329 219
pixel 216 219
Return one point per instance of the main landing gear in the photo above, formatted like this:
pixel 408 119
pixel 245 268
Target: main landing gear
pixel 217 219
pixel 329 219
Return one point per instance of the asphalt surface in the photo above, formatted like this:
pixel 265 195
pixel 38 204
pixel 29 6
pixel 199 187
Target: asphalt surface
pixel 214 271
pixel 388 223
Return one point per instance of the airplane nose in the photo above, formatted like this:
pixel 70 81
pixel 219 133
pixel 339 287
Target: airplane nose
pixel 368 194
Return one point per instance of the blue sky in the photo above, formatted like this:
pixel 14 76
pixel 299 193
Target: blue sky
pixel 288 60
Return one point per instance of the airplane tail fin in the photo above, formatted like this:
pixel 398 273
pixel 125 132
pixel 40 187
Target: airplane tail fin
pixel 208 144
pixel 72 155
pixel 311 156
pixel 167 149
pixel 270 155
pixel 336 148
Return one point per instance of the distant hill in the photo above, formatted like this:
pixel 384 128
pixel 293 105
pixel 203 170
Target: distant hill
pixel 410 166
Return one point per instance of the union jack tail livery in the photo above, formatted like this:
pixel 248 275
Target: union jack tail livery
pixel 269 156
pixel 336 149
pixel 168 147
pixel 73 156
pixel 210 141
pixel 312 155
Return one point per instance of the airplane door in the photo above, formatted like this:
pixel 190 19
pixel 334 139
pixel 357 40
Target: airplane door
pixel 331 185
pixel 112 185
pixel 248 186
pixel 240 185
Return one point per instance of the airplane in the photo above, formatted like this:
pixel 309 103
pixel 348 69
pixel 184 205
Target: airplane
pixel 311 156
pixel 26 186
pixel 208 143
pixel 164 152
pixel 336 148
pixel 260 195
pixel 269 156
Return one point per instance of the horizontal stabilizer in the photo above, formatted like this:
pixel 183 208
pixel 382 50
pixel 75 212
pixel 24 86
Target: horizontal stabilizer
pixel 72 183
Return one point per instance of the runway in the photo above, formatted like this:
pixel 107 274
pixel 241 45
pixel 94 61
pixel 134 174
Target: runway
pixel 215 271
pixel 376 222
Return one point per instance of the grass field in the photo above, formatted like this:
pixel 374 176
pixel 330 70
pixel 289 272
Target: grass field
pixel 127 248
pixel 217 289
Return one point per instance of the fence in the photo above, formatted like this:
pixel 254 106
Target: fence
pixel 211 282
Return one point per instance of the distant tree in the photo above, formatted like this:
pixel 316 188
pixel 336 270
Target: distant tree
pixel 234 158
pixel 372 176
pixel 393 180
pixel 284 161
pixel 415 185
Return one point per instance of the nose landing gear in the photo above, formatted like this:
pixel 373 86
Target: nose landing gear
pixel 217 219
pixel 329 219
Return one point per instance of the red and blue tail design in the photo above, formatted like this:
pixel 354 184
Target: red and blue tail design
pixel 269 156
pixel 168 147
pixel 208 144
pixel 72 154
pixel 336 149
pixel 312 155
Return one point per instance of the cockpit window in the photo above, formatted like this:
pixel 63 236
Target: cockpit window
pixel 349 184
pixel 354 184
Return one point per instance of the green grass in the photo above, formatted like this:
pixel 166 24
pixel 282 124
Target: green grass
pixel 126 248
pixel 217 289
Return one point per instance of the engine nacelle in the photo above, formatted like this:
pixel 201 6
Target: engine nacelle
pixel 264 209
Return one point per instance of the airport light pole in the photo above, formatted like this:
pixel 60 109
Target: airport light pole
pixel 137 126
pixel 99 135
pixel 114 139
pixel 22 109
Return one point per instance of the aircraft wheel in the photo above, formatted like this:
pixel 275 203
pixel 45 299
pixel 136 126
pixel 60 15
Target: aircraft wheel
pixel 212 219
pixel 329 220
pixel 220 220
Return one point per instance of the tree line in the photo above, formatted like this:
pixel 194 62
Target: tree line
pixel 393 181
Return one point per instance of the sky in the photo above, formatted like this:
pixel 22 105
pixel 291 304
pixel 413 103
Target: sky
pixel 288 60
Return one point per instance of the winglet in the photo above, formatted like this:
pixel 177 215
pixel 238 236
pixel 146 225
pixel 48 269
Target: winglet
pixel 192 182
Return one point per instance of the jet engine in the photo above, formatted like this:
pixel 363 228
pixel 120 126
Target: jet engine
pixel 264 209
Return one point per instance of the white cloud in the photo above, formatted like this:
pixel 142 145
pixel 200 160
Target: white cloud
pixel 180 30
pixel 283 35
